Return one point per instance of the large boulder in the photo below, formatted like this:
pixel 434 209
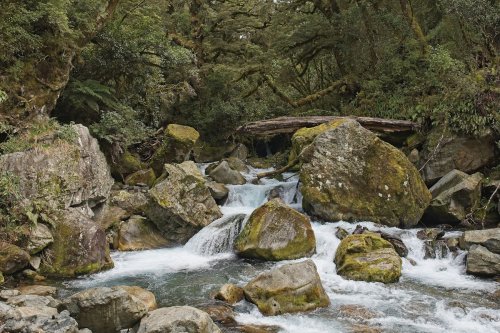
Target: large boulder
pixel 453 197
pixel 368 257
pixel 488 238
pixel 121 205
pixel 175 319
pixel 223 173
pixel 145 296
pixel 79 246
pixel 63 173
pixel 138 233
pixel 275 231
pixel 181 204
pixel 290 288
pixel 12 258
pixel 348 173
pixel 482 262
pixel 105 310
pixel 39 320
pixel 40 237
pixel 445 151
pixel 176 147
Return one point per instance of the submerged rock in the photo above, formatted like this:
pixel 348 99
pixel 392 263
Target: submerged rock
pixel 372 180
pixel 178 319
pixel 105 310
pixel 368 257
pixel 138 233
pixel 275 231
pixel 181 204
pixel 482 262
pixel 223 173
pixel 12 258
pixel 453 151
pixel 79 246
pixel 454 196
pixel 176 147
pixel 290 288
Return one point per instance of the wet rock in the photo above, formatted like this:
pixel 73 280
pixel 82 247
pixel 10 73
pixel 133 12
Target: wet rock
pixel 219 191
pixel 138 233
pixel 178 319
pixel 397 243
pixel 12 258
pixel 430 234
pixel 368 257
pixel 488 238
pixel 177 145
pixel 79 247
pixel 220 312
pixel 341 233
pixel 40 237
pixel 290 288
pixel 453 197
pixel 435 249
pixel 482 262
pixel 453 243
pixel 225 175
pixel 357 312
pixel 145 296
pixel 360 328
pixel 181 204
pixel 38 290
pixel 105 310
pixel 276 193
pixel 68 174
pixel 146 177
pixel 464 153
pixel 373 181
pixel 275 231
pixel 230 294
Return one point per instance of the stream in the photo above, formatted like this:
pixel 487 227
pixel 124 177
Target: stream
pixel 435 295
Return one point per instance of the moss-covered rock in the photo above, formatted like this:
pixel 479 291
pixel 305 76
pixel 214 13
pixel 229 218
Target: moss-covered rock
pixel 12 258
pixel 126 164
pixel 368 257
pixel 181 204
pixel 79 247
pixel 349 174
pixel 177 144
pixel 290 288
pixel 146 176
pixel 275 231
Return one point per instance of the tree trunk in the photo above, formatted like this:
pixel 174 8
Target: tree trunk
pixel 408 13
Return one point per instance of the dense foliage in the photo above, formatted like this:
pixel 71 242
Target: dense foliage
pixel 216 64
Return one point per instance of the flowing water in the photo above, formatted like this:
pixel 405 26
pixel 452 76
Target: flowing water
pixel 435 295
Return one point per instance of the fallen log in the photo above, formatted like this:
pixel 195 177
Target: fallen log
pixel 288 125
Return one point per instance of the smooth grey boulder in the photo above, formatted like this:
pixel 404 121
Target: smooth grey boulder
pixel 290 288
pixel 482 262
pixel 105 310
pixel 488 238
pixel 225 175
pixel 178 319
pixel 181 204
pixel 453 197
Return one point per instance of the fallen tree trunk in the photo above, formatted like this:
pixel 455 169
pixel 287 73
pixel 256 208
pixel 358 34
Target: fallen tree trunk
pixel 288 125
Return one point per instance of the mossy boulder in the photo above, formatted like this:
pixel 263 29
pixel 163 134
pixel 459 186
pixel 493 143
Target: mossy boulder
pixel 181 204
pixel 368 257
pixel 137 233
pixel 79 246
pixel 290 288
pixel 349 174
pixel 275 231
pixel 126 164
pixel 146 177
pixel 12 258
pixel 177 144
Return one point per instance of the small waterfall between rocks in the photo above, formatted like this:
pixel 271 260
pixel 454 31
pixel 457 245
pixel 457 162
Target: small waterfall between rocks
pixel 435 295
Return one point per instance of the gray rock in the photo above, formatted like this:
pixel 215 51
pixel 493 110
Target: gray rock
pixel 489 238
pixel 181 204
pixel 482 262
pixel 121 205
pixel 225 175
pixel 218 191
pixel 290 288
pixel 454 196
pixel 397 243
pixel 105 310
pixel 349 174
pixel 138 233
pixel 40 321
pixel 40 237
pixel 12 258
pixel 33 301
pixel 8 293
pixel 179 319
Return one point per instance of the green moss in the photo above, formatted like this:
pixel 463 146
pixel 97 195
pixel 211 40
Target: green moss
pixel 184 134
pixel 2 279
pixel 147 177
